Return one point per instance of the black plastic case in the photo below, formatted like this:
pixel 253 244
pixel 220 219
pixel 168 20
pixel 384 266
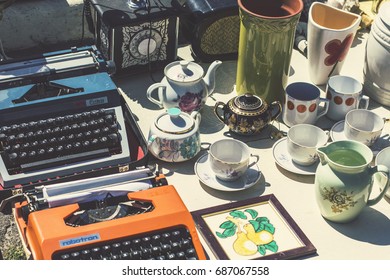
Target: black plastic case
pixel 212 27
pixel 136 39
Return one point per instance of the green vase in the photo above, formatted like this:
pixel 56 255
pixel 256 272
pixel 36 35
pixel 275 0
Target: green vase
pixel 267 30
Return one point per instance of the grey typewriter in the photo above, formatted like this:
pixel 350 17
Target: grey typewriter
pixel 59 122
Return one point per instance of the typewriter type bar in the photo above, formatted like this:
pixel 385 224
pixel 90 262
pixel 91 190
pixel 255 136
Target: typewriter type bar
pixel 148 224
pixel 53 65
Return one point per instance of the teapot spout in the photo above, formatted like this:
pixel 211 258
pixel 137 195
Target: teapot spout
pixel 209 78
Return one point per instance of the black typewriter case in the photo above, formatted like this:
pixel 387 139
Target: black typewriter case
pixel 138 152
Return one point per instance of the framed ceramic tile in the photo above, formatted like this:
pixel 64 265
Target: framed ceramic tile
pixel 256 228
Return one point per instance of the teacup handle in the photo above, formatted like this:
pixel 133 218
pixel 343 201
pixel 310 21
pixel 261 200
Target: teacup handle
pixel 216 112
pixel 151 89
pixel 325 109
pixel 366 101
pixel 276 109
pixel 382 169
pixel 254 162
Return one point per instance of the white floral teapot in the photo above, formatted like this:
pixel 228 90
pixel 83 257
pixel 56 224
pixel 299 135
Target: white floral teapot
pixel 184 86
pixel 174 136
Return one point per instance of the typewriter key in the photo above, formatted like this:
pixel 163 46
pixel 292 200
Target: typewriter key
pixel 20 137
pixel 75 255
pixel 116 248
pixel 86 254
pixel 5 129
pixel 32 153
pixel 22 156
pixel 11 139
pixel 16 147
pixel 95 251
pixel 13 157
pixel 3 137
pixel 126 256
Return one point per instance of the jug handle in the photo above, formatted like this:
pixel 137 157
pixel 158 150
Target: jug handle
pixel 216 106
pixel 381 169
pixel 150 91
pixel 276 109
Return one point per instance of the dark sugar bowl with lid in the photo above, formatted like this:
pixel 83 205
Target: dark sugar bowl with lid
pixel 247 114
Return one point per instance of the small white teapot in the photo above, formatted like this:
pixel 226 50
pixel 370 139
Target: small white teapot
pixel 174 136
pixel 184 86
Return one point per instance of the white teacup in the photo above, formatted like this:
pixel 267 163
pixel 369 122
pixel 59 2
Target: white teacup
pixel 363 126
pixel 302 142
pixel 229 159
pixel 383 158
pixel 344 94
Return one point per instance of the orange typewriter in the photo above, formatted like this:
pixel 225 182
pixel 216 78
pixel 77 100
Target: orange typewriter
pixel 113 223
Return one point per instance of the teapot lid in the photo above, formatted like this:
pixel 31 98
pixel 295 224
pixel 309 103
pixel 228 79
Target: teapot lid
pixel 183 71
pixel 174 121
pixel 248 104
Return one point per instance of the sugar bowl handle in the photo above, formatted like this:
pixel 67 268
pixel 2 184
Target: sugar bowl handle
pixel 216 111
pixel 276 109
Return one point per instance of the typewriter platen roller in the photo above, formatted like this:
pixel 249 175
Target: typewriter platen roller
pixel 146 224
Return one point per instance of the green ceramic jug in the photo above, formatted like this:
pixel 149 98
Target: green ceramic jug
pixel 267 30
pixel 344 180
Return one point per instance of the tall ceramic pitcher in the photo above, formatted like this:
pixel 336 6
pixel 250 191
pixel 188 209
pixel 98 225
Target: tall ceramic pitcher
pixel 267 30
pixel 344 180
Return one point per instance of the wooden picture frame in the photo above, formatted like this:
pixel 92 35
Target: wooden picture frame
pixel 256 228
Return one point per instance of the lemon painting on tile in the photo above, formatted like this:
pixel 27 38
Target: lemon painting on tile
pixel 250 234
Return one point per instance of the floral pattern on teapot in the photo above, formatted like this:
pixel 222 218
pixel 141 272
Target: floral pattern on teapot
pixel 190 101
pixel 177 150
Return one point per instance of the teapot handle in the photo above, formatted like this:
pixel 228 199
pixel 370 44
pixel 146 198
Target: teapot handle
pixel 276 109
pixel 218 104
pixel 150 91
pixel 385 171
pixel 196 116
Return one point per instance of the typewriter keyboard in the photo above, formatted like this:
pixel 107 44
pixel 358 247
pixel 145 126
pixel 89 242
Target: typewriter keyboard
pixel 60 140
pixel 167 244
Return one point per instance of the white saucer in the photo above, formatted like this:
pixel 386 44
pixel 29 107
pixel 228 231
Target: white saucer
pixel 337 131
pixel 284 160
pixel 207 177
